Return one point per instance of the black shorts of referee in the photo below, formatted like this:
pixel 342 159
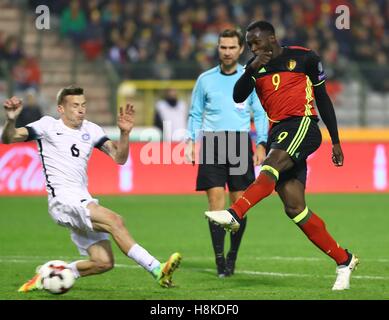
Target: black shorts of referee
pixel 226 158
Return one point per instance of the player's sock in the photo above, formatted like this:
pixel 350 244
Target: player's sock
pixel 72 266
pixel 236 239
pixel 315 229
pixel 143 258
pixel 217 236
pixel 262 187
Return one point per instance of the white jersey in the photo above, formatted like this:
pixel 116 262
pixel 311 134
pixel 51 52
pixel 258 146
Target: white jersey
pixel 65 152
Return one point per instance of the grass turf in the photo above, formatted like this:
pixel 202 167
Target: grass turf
pixel 276 261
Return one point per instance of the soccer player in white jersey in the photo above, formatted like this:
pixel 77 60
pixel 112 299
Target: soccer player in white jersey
pixel 65 145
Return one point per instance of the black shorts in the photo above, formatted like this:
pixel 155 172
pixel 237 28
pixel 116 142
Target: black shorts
pixel 299 137
pixel 225 158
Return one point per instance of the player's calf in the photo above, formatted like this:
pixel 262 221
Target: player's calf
pixel 101 267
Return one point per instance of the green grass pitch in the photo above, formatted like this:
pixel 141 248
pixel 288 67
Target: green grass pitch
pixel 276 261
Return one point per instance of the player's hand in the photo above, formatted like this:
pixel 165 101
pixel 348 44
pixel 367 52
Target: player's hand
pixel 261 60
pixel 190 152
pixel 126 118
pixel 13 107
pixel 259 155
pixel 337 155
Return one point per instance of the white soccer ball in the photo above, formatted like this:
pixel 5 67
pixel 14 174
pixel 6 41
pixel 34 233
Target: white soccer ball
pixel 57 278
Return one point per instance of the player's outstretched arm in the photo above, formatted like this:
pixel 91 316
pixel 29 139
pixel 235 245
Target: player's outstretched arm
pixel 118 150
pixel 10 134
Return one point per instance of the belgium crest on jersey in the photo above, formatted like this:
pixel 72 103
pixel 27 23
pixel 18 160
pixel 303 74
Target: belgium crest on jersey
pixel 291 64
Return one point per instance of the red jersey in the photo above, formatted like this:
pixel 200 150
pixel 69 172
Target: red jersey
pixel 284 85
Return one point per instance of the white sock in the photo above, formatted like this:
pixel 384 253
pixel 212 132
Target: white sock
pixel 72 266
pixel 143 258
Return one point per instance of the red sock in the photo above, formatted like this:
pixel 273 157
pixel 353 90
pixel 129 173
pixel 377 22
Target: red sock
pixel 315 229
pixel 259 189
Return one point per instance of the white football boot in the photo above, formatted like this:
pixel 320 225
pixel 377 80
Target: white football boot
pixel 343 272
pixel 224 219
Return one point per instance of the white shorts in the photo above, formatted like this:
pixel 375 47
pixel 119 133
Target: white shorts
pixel 70 210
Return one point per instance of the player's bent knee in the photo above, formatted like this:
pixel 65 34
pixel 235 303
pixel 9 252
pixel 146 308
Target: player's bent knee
pixel 293 212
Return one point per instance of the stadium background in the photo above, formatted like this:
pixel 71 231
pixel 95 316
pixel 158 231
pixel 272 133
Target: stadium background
pixel 121 50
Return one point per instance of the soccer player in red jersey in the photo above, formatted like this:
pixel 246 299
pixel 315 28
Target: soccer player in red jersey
pixel 287 80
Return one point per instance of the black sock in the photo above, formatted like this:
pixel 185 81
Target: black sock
pixel 217 236
pixel 236 239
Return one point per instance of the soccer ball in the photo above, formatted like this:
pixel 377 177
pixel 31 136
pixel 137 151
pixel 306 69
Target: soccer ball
pixel 57 278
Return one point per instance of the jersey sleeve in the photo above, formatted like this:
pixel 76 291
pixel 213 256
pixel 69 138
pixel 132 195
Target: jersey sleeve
pixel 245 84
pixel 36 130
pixel 195 116
pixel 249 62
pixel 99 136
pixel 260 119
pixel 314 69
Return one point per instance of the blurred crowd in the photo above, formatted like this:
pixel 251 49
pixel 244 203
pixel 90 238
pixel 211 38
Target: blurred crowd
pixel 165 39
pixel 24 69
pixel 159 32
pixel 24 73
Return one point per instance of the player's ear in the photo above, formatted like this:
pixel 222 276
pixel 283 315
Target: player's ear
pixel 60 109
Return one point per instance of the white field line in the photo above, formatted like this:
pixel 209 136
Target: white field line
pixel 38 259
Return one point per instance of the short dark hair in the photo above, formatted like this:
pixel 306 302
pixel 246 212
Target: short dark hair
pixel 231 33
pixel 261 25
pixel 69 91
